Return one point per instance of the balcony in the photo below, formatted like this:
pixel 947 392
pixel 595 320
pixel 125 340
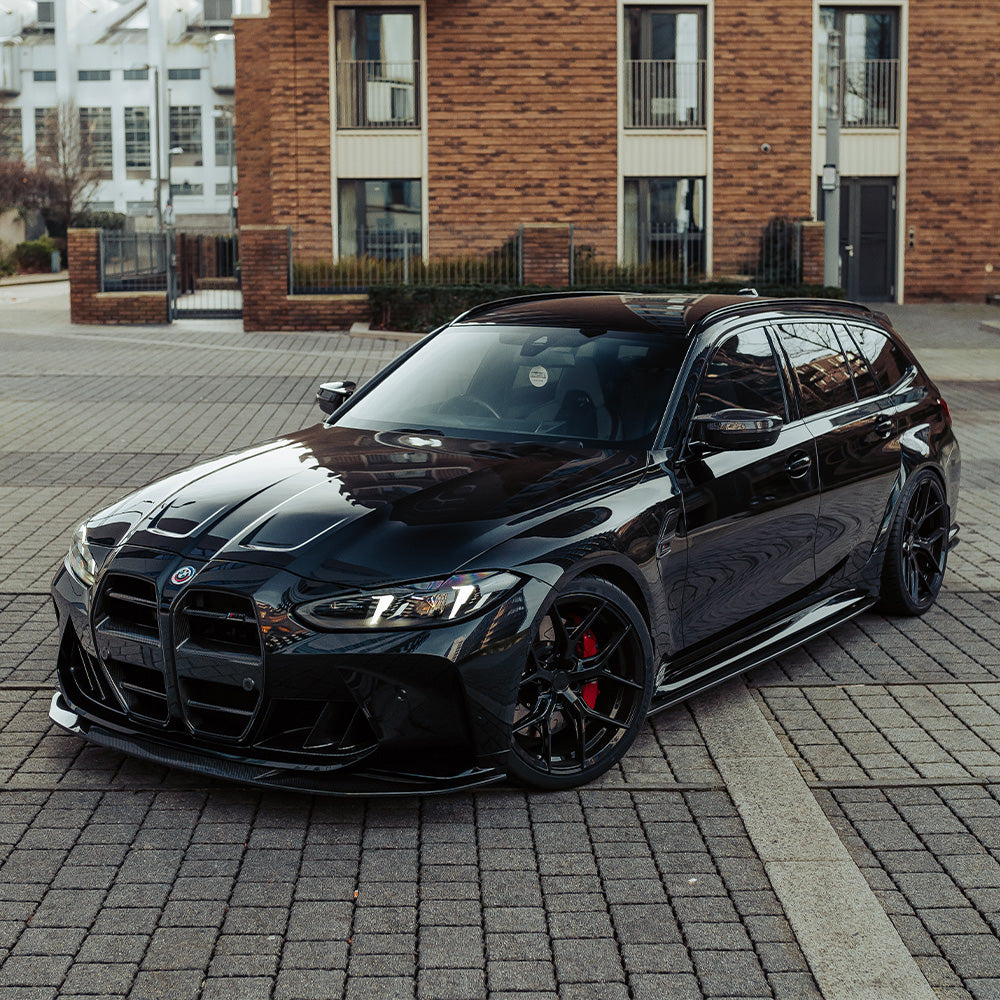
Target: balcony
pixel 869 94
pixel 664 93
pixel 374 94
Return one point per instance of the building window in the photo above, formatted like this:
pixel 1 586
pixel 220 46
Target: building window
pixel 379 218
pixel 95 139
pixel 225 135
pixel 665 226
pixel 44 76
pixel 665 72
pixel 185 134
pixel 186 189
pixel 46 134
pixel 377 67
pixel 137 156
pixel 218 11
pixel 136 74
pixel 93 74
pixel 869 65
pixel 11 136
pixel 183 74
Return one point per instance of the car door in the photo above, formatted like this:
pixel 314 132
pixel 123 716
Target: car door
pixel 856 444
pixel 749 516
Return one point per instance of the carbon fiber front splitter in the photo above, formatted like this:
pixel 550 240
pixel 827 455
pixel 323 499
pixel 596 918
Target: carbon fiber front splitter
pixel 355 781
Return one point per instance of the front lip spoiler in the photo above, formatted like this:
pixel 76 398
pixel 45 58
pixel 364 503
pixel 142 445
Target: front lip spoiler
pixel 354 782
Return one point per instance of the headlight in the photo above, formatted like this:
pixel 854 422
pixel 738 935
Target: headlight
pixel 426 603
pixel 78 560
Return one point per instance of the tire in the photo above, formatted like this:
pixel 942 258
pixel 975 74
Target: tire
pixel 586 687
pixel 917 552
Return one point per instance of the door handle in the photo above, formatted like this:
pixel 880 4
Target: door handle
pixel 798 465
pixel 849 249
pixel 884 427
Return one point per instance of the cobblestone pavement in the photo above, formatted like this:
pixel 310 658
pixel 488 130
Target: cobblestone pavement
pixel 123 879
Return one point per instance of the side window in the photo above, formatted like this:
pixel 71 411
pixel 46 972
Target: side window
pixel 820 366
pixel 864 382
pixel 743 375
pixel 887 361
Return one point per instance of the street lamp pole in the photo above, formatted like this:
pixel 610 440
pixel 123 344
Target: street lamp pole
pixel 228 114
pixel 831 169
pixel 159 150
pixel 171 153
pixel 232 180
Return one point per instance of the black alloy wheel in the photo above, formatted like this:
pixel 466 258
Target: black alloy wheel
pixel 918 547
pixel 586 687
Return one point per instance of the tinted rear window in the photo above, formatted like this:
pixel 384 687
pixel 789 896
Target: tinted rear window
pixel 887 361
pixel 820 366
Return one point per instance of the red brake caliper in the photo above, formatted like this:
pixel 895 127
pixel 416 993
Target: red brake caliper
pixel 587 647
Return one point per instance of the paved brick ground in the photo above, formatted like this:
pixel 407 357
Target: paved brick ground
pixel 122 879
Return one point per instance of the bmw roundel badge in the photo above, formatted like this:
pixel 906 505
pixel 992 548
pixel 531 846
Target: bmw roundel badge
pixel 182 575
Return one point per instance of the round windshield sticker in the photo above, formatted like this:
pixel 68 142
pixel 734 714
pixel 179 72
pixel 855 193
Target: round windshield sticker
pixel 182 575
pixel 538 376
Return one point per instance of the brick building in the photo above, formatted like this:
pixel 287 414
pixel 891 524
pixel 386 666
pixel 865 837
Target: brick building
pixel 655 130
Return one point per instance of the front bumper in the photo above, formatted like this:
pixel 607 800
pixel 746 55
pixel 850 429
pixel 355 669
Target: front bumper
pixel 223 682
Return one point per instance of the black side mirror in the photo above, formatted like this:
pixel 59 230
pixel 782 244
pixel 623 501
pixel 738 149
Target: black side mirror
pixel 736 430
pixel 330 395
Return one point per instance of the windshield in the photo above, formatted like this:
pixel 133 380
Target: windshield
pixel 526 383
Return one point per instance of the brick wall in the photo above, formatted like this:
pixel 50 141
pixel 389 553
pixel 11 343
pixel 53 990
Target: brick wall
pixel 283 114
pixel 522 111
pixel 88 304
pixel 545 254
pixel 813 252
pixel 763 94
pixel 953 150
pixel 264 260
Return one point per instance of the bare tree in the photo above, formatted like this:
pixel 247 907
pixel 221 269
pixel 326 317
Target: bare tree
pixel 23 187
pixel 72 154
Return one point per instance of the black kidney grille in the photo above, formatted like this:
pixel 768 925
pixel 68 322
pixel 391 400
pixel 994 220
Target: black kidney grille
pixel 217 709
pixel 142 689
pixel 129 605
pixel 216 620
pixel 219 659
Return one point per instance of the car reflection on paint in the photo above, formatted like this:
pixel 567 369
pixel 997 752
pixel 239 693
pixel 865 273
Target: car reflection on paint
pixel 545 521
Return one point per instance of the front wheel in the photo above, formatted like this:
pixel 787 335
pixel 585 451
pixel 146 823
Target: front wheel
pixel 917 552
pixel 585 689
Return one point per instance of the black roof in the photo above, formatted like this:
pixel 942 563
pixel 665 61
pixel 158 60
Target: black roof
pixel 665 312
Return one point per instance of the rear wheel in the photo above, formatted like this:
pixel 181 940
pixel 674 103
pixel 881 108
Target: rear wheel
pixel 918 547
pixel 586 687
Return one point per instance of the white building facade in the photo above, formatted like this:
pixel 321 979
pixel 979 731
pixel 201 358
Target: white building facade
pixel 152 82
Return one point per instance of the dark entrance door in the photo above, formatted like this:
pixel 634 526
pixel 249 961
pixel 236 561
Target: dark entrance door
pixel 868 238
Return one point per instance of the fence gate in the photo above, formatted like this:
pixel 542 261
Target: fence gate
pixel 204 276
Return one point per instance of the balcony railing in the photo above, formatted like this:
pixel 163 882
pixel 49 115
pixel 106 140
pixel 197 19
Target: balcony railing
pixel 664 93
pixel 372 93
pixel 869 93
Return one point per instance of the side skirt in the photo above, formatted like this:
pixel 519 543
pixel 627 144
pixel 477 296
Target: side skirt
pixel 707 671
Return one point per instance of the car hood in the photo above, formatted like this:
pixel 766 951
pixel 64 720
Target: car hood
pixel 352 507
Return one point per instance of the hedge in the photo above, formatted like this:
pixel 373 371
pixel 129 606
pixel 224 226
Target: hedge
pixel 423 307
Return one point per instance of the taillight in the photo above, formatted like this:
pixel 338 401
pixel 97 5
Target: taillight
pixel 944 407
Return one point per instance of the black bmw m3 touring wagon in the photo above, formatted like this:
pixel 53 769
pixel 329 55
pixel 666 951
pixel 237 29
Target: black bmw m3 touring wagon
pixel 545 521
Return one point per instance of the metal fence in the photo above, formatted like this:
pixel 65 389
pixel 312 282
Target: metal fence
pixel 768 254
pixel 664 93
pixel 764 254
pixel 382 256
pixel 868 92
pixel 133 262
